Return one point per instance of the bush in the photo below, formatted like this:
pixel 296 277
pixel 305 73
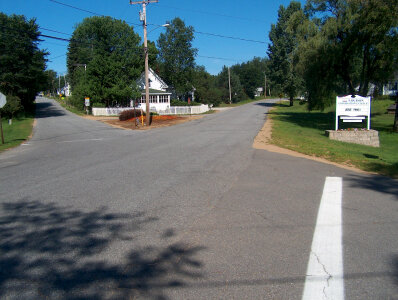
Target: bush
pixel 176 102
pixel 12 106
pixel 98 105
pixel 129 114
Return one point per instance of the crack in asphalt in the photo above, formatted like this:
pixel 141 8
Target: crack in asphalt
pixel 326 272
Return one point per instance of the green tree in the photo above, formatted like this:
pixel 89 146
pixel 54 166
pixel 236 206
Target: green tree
pixel 12 106
pixel 251 74
pixel 51 82
pixel 205 85
pixel 22 64
pixel 237 92
pixel 357 43
pixel 281 53
pixel 177 56
pixel 104 59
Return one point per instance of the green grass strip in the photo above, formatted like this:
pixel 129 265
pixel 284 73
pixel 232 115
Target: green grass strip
pixel 298 129
pixel 16 133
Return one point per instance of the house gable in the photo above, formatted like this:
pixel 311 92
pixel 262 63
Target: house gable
pixel 155 82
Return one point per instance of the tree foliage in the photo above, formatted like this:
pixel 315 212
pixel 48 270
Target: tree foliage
pixel 22 64
pixel 281 52
pixel 177 56
pixel 104 59
pixel 251 75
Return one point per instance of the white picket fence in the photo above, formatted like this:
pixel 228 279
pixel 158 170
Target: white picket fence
pixel 185 110
pixel 109 111
pixel 173 110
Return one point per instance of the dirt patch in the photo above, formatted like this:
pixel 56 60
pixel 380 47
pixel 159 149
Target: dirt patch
pixel 157 121
pixel 263 142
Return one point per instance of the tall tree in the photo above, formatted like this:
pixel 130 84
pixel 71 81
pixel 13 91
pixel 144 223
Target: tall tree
pixel 22 64
pixel 237 91
pixel 205 85
pixel 251 74
pixel 51 81
pixel 281 53
pixel 360 38
pixel 177 56
pixel 104 59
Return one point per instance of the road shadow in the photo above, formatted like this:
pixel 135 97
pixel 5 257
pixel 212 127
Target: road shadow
pixel 321 121
pixel 376 183
pixel 267 104
pixel 47 110
pixel 53 252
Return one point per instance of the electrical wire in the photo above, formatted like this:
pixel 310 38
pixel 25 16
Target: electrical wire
pixel 199 32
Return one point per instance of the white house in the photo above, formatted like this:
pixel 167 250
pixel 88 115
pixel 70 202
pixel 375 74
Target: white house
pixel 159 97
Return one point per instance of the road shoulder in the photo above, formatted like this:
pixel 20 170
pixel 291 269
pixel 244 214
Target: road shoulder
pixel 263 142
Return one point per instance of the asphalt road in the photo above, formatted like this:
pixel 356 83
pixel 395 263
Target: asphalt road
pixel 185 212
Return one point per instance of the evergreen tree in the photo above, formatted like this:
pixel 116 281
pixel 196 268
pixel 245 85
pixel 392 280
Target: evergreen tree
pixel 177 56
pixel 22 64
pixel 281 54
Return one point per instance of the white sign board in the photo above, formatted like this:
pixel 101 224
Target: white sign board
pixel 3 100
pixel 352 109
pixel 87 101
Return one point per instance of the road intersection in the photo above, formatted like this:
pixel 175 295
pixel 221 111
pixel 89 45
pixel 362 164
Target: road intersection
pixel 185 212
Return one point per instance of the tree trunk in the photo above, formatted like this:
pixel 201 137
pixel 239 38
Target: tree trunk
pixel 291 100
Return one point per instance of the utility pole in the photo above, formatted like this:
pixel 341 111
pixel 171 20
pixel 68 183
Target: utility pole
pixel 144 4
pixel 265 86
pixel 229 83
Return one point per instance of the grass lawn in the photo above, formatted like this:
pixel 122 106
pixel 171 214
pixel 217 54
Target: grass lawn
pixel 298 129
pixel 65 104
pixel 17 132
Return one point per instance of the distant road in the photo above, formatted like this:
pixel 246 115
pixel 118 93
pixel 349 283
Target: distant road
pixel 191 211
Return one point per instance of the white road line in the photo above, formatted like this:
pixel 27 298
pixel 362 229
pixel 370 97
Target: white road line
pixel 325 277
pixel 75 141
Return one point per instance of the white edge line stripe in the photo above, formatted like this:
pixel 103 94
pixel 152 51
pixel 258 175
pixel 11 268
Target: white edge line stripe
pixel 325 277
pixel 74 141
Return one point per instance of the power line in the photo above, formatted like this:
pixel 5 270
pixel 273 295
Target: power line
pixel 212 13
pixel 139 50
pixel 199 32
pixel 52 30
pixel 229 37
pixel 87 11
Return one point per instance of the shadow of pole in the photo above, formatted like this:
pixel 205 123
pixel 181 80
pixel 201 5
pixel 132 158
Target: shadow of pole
pixel 48 251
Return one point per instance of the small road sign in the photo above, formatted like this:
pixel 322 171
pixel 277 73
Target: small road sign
pixel 3 100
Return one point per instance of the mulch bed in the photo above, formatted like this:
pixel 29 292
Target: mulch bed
pixel 157 121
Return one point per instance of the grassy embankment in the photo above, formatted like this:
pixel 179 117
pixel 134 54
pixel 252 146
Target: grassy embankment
pixel 17 132
pixel 298 129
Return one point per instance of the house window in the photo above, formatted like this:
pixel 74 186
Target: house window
pixel 153 99
pixel 163 99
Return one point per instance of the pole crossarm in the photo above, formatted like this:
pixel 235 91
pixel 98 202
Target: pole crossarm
pixel 144 1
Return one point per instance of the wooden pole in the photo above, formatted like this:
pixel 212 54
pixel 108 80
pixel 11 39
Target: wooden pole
pixel 1 129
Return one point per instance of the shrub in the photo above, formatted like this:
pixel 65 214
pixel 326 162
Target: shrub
pixel 12 106
pixel 129 114
pixel 99 105
pixel 176 102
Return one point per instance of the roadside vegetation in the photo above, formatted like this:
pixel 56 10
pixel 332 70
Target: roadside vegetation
pixel 18 132
pixel 296 128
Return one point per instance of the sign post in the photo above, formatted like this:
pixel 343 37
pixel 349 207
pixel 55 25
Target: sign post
pixel 352 109
pixel 3 101
pixel 87 103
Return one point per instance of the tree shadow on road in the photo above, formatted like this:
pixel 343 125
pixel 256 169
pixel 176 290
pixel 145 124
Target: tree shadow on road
pixel 47 110
pixel 49 251
pixel 375 183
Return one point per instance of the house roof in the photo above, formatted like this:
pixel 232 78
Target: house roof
pixel 155 92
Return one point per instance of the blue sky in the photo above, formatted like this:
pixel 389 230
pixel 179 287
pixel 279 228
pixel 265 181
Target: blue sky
pixel 249 20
